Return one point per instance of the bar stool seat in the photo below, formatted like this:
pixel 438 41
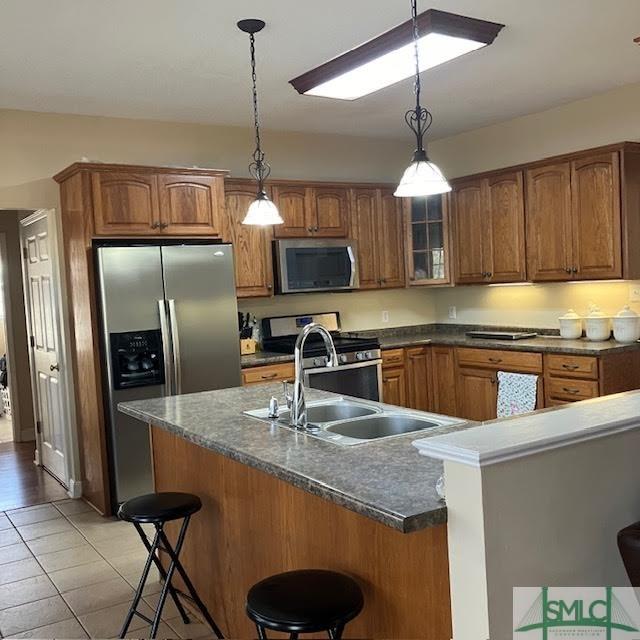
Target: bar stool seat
pixel 305 601
pixel 159 507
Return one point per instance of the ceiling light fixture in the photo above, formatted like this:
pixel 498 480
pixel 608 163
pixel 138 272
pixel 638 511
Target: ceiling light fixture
pixel 422 177
pixel 389 58
pixel 262 211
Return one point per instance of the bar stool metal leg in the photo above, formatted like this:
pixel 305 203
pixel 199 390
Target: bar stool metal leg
pixel 138 596
pixel 175 562
pixel 262 635
pixel 162 572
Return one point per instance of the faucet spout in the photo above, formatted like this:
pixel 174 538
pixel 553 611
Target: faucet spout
pixel 299 407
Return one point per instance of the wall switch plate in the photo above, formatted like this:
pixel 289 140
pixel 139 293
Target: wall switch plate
pixel 634 292
pixel 453 313
pixel 385 316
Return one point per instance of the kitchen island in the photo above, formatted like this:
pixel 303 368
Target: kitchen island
pixel 275 500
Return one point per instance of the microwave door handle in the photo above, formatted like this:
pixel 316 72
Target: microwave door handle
pixel 175 341
pixel 352 260
pixel 166 347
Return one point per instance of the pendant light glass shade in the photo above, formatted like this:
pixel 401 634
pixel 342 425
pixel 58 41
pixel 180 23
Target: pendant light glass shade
pixel 262 212
pixel 422 178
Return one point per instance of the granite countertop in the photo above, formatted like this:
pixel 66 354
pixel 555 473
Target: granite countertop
pixel 454 335
pixel 387 481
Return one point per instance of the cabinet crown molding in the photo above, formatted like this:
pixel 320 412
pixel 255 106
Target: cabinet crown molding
pixel 77 167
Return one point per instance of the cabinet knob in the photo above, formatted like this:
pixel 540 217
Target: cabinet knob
pixel 310 229
pixel 316 228
pixel 269 287
pixel 568 269
pixel 164 225
pixel 574 270
pixel 155 225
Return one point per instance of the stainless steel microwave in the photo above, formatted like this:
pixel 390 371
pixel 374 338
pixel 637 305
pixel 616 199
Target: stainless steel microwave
pixel 316 265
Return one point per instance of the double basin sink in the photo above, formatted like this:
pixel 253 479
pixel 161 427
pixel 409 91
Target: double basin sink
pixel 349 422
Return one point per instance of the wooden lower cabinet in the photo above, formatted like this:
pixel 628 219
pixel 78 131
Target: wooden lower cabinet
pixel 268 373
pixel 444 396
pixel 418 364
pixel 477 394
pixel 394 386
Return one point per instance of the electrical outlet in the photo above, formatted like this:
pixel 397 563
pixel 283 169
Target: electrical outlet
pixel 634 292
pixel 453 313
pixel 385 316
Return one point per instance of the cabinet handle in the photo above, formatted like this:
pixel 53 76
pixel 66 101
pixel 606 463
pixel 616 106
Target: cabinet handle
pixel 493 380
pixel 269 287
pixel 568 269
pixel 310 229
pixel 573 392
pixel 570 367
pixel 269 376
pixel 316 228
pixel 54 367
pixel 495 360
pixel 574 270
pixel 155 225
pixel 164 225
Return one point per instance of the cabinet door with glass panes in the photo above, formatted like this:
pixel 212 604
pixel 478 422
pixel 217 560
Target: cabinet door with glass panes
pixel 428 240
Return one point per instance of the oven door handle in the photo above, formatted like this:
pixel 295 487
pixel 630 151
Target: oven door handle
pixel 344 367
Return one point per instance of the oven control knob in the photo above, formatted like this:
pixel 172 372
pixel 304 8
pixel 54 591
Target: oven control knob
pixel 342 358
pixel 367 355
pixel 360 355
pixel 317 362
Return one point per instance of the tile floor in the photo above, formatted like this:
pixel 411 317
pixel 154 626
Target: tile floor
pixel 66 572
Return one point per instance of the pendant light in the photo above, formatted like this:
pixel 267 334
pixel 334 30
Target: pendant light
pixel 262 211
pixel 422 177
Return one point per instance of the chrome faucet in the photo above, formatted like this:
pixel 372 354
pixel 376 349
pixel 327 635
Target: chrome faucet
pixel 298 414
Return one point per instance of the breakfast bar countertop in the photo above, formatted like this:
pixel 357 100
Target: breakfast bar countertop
pixel 385 480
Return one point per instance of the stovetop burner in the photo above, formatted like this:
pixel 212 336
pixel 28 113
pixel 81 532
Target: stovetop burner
pixel 314 346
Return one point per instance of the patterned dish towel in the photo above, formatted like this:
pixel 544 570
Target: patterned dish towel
pixel 517 393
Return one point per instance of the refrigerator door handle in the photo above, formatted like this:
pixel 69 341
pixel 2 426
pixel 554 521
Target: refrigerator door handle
pixel 175 340
pixel 166 346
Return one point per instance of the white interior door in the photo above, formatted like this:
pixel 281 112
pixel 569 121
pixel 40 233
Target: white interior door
pixel 42 295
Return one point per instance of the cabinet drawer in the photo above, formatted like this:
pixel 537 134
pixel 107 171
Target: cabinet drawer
pixel 571 366
pixel 393 357
pixel 268 373
pixel 570 389
pixel 503 360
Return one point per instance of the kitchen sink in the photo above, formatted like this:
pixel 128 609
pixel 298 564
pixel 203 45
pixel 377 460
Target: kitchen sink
pixel 381 426
pixel 332 412
pixel 348 422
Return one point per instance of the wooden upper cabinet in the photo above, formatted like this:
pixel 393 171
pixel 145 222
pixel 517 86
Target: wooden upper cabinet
pixel 190 205
pixel 308 212
pixel 489 229
pixel 251 244
pixel 596 217
pixel 364 221
pixel 469 222
pixel 503 241
pixel 331 209
pixel 549 228
pixel 391 241
pixel 125 203
pixel 427 240
pixel 294 207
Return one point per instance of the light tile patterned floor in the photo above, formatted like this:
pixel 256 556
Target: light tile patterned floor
pixel 67 572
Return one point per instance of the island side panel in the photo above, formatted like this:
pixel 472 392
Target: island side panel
pixel 253 525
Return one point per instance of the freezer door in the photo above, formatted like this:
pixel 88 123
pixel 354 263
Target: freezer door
pixel 201 297
pixel 130 286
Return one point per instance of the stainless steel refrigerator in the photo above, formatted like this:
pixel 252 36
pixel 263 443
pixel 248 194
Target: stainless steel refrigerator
pixel 169 326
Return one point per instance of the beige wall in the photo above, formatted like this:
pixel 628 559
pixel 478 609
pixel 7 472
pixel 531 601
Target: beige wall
pixel 603 119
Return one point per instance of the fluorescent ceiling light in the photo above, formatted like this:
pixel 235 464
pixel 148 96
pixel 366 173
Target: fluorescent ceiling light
pixel 390 57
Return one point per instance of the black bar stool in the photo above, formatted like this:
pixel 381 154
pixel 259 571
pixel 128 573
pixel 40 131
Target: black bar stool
pixel 629 547
pixel 305 601
pixel 158 509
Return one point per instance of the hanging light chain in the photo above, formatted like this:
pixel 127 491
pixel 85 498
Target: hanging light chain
pixel 419 118
pixel 259 169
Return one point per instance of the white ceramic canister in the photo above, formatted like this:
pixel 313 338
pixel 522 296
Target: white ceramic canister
pixel 626 326
pixel 598 325
pixel 570 325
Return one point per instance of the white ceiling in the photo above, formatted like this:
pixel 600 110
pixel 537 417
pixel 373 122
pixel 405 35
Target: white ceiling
pixel 184 60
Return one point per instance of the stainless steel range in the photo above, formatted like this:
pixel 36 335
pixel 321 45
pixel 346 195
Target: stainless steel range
pixel 359 373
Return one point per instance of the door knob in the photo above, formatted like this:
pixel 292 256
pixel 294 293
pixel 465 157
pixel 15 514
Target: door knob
pixel 54 367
